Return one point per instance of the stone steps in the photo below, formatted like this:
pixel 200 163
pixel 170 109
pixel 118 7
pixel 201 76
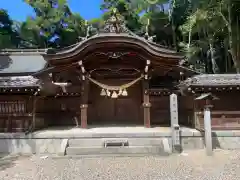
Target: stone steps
pixel 138 150
pixel 107 155
pixel 117 146
pixel 99 142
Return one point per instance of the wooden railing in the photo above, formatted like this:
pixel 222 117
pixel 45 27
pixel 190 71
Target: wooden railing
pixel 14 116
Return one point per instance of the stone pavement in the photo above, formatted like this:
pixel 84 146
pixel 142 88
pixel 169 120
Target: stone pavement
pixel 192 165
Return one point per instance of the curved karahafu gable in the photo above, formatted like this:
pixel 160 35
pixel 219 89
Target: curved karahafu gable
pixel 114 41
pixel 115 36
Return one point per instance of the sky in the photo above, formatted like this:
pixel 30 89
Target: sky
pixel 18 10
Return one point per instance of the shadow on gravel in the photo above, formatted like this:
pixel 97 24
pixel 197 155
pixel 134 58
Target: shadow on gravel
pixel 7 161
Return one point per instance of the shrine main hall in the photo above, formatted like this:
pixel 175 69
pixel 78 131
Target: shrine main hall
pixel 114 78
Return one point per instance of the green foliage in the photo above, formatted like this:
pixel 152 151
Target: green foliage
pixel 9 37
pixel 54 25
pixel 212 22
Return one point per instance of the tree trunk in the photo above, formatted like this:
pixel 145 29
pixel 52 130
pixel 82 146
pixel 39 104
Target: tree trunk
pixel 172 21
pixel 226 56
pixel 189 38
pixel 174 35
pixel 238 38
pixel 215 68
pixel 233 51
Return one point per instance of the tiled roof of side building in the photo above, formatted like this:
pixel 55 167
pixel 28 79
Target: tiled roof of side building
pixel 212 80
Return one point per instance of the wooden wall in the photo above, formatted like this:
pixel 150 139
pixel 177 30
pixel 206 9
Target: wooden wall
pixel 160 110
pixel 225 112
pixel 186 110
pixel 60 111
pixel 120 111
pixel 16 111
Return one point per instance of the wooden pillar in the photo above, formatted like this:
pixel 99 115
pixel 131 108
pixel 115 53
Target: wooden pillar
pixel 146 104
pixel 34 104
pixel 84 103
pixel 84 115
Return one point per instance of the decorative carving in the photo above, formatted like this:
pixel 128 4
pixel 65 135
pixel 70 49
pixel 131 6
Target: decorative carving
pixel 19 81
pixel 114 55
pixel 115 24
pixel 119 71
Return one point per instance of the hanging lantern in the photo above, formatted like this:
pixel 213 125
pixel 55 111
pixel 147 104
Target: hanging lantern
pixel 114 95
pixel 120 92
pixel 83 69
pixel 103 93
pixel 108 93
pixel 124 93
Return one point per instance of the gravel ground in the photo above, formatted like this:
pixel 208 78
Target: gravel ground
pixel 193 165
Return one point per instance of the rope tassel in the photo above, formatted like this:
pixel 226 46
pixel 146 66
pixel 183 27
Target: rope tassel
pixel 122 89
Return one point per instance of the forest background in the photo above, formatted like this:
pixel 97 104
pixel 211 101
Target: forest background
pixel 206 31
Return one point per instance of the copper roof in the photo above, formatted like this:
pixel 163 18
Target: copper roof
pixel 127 38
pixel 20 64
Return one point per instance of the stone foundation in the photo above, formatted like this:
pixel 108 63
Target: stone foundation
pixel 56 141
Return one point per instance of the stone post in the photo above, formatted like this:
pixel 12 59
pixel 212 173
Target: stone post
pixel 175 128
pixel 208 130
pixel 208 97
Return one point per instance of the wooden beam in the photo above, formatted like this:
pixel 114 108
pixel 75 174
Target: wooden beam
pixel 146 104
pixel 84 103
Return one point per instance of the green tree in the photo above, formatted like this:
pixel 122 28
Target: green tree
pixel 53 25
pixel 210 28
pixel 9 37
pixel 207 31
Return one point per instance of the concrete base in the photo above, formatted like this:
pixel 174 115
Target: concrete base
pixel 140 139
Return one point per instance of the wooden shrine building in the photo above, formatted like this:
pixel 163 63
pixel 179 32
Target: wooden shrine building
pixel 112 78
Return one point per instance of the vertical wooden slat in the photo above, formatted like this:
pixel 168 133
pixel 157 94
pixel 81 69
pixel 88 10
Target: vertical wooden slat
pixel 13 111
pixel 6 107
pixel 84 103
